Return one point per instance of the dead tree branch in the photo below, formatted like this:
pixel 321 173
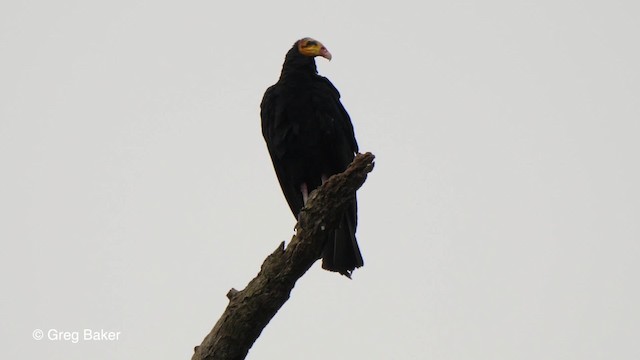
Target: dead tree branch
pixel 251 309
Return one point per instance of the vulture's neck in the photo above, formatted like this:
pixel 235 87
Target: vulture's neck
pixel 298 66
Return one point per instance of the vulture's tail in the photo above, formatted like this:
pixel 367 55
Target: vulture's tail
pixel 341 253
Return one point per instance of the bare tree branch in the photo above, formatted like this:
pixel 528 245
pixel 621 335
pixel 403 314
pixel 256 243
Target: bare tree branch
pixel 251 309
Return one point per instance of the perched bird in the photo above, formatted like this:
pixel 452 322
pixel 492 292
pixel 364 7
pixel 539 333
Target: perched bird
pixel 310 137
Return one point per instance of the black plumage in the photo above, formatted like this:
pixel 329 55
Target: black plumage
pixel 310 137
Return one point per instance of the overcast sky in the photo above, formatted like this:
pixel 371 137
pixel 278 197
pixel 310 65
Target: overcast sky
pixel 501 220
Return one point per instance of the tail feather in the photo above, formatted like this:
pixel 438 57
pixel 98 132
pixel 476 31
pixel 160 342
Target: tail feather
pixel 342 253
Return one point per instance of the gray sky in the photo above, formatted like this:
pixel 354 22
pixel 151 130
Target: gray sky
pixel 501 221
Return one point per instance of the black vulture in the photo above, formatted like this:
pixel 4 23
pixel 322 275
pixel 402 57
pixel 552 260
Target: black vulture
pixel 310 137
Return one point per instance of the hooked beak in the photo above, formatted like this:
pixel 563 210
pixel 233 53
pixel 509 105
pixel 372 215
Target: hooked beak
pixel 325 53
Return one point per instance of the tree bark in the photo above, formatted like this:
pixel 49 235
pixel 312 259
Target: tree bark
pixel 250 310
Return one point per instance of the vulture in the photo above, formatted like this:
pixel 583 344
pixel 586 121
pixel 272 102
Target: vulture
pixel 310 137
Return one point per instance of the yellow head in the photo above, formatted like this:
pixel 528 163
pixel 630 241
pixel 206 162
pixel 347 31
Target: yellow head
pixel 313 48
